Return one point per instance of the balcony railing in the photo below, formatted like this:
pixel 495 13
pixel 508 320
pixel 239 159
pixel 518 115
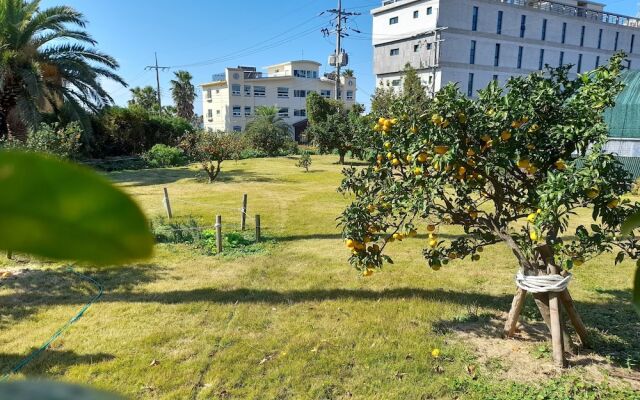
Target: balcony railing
pixel 573 11
pixel 568 10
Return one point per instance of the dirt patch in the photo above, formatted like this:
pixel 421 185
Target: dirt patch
pixel 527 356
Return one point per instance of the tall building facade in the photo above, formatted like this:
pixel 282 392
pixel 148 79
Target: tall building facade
pixel 475 41
pixel 229 101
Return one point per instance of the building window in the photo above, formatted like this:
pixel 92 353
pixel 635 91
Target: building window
pixel 541 60
pixel 597 61
pixel 301 73
pixel 579 63
pixel 544 30
pixel 429 10
pixel 283 112
pixel 629 64
pixel 259 91
pixel 393 20
pixel 520 50
pixel 300 113
pixel 416 14
pixel 325 93
pixel 217 112
pixel 236 111
pixel 247 90
pixel 474 21
pixel 237 128
pixel 394 52
pixel 600 39
pixel 495 78
pixel 210 115
pixel 299 93
pixel 395 82
pixel 235 89
pixel 564 32
pixel 429 45
pixel 472 53
pixel 561 59
pixel 283 93
pixel 523 25
pixel 247 111
pixel 470 85
pixel 496 56
pixel 430 80
pixel 208 95
pixel 615 42
pixel 633 38
pixel 349 94
pixel 499 24
pixel 582 35
pixel 416 47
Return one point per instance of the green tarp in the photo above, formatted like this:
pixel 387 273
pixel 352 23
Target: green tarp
pixel 624 119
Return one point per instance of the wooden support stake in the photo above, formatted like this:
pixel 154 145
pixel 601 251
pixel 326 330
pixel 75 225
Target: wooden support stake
pixel 243 212
pixel 219 233
pixel 257 227
pixel 576 321
pixel 167 203
pixel 556 329
pixel 514 313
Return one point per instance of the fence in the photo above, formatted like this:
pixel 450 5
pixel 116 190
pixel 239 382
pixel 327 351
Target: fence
pixel 631 164
pixel 218 225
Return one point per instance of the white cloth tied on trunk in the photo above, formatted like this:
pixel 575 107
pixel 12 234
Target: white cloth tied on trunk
pixel 543 283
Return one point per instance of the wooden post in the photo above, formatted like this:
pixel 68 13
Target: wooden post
pixel 257 227
pixel 554 309
pixel 243 213
pixel 514 313
pixel 167 203
pixel 576 321
pixel 219 233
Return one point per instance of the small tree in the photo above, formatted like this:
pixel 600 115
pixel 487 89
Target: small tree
pixel 332 127
pixel 268 132
pixel 382 100
pixel 413 90
pixel 304 161
pixel 210 149
pixel 510 166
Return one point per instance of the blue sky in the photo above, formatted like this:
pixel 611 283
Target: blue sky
pixel 205 36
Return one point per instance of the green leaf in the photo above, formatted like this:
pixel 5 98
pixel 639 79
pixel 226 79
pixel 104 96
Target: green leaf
pixel 58 210
pixel 619 258
pixel 630 224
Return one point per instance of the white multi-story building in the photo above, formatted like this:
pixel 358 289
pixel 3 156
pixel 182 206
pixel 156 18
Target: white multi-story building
pixel 230 100
pixel 475 41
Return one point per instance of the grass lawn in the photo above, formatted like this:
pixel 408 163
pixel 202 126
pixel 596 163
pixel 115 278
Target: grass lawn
pixel 295 321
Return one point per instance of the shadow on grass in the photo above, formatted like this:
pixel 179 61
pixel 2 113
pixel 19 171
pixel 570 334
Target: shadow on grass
pixel 163 176
pixel 338 236
pixel 37 287
pixel 613 324
pixel 55 361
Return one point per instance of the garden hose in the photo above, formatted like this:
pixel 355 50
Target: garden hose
pixel 60 330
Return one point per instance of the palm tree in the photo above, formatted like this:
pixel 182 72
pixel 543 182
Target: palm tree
pixel 347 73
pixel 268 131
pixel 145 97
pixel 47 61
pixel 184 94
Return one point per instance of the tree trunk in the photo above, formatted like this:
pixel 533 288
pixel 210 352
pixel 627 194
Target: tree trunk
pixel 342 154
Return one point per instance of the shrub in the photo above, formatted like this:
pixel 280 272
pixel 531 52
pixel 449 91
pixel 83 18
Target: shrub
pixel 122 131
pixel 62 141
pixel 162 155
pixel 304 161
pixel 635 187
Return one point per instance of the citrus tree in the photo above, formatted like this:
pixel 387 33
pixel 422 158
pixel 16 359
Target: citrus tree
pixel 210 149
pixel 512 165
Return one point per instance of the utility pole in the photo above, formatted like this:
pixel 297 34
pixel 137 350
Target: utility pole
pixel 338 49
pixel 340 58
pixel 157 68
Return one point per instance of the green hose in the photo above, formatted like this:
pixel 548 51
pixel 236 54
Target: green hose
pixel 60 330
